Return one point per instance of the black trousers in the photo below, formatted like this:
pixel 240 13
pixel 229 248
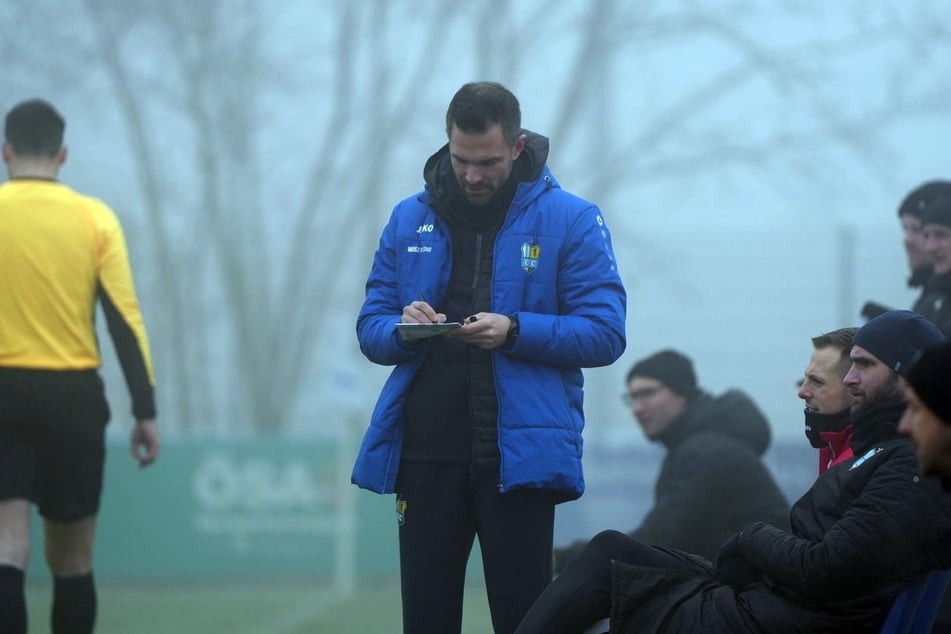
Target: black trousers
pixel 581 595
pixel 441 508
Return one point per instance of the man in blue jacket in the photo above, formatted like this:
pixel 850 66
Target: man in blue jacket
pixel 478 430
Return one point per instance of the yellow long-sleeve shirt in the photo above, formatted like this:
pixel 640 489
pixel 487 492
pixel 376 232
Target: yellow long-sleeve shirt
pixel 59 252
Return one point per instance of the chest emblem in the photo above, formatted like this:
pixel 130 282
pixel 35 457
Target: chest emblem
pixel 530 256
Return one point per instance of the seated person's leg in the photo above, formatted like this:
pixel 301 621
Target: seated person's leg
pixel 581 595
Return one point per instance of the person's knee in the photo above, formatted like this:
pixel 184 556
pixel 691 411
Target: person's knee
pixel 599 552
pixel 69 547
pixel 607 541
pixel 15 554
pixel 63 563
pixel 15 533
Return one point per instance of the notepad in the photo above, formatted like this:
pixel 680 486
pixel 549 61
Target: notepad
pixel 415 332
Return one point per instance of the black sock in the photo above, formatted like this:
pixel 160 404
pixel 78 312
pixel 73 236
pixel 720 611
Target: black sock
pixel 12 601
pixel 74 605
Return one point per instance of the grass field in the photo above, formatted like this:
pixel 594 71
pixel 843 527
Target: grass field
pixel 279 608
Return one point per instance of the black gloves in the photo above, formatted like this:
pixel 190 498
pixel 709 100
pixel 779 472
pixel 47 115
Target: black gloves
pixel 732 568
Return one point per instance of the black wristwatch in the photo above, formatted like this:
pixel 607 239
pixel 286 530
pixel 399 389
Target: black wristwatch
pixel 512 335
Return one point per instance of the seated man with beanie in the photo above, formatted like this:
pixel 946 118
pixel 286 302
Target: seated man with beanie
pixel 927 418
pixel 868 526
pixel 712 481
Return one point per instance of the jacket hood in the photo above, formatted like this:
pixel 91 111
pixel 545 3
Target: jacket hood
pixel 530 162
pixel 732 414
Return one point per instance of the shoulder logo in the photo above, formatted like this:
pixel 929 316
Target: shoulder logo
pixel 530 256
pixel 869 454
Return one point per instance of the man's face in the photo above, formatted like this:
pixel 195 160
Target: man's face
pixel 654 405
pixel 870 381
pixel 822 387
pixel 932 436
pixel 938 247
pixel 482 162
pixel 914 241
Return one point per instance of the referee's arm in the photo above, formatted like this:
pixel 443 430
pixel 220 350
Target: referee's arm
pixel 116 294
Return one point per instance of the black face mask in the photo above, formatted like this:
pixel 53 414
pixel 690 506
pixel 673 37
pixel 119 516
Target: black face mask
pixel 817 423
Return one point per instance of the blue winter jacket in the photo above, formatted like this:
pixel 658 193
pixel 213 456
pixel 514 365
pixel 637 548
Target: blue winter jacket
pixel 554 268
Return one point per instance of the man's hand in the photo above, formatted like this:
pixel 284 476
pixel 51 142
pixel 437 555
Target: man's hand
pixel 421 313
pixel 144 442
pixel 732 568
pixel 485 330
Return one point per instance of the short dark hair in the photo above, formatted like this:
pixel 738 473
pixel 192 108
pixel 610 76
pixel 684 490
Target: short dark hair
pixel 841 340
pixel 34 129
pixel 478 106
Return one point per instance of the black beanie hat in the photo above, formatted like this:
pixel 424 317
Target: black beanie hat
pixel 897 337
pixel 919 198
pixel 930 377
pixel 939 211
pixel 671 368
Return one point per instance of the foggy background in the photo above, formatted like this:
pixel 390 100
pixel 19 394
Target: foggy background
pixel 749 158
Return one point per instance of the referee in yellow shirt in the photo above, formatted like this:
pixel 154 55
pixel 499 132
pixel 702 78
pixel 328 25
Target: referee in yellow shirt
pixel 60 252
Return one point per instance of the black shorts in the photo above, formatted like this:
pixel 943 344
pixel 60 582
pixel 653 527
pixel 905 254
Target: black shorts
pixel 52 440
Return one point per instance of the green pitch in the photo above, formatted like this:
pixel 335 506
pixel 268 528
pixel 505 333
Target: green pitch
pixel 278 608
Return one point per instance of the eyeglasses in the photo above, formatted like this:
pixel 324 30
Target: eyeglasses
pixel 630 398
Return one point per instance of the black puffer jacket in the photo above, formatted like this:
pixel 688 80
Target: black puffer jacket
pixel 935 302
pixel 865 528
pixel 712 481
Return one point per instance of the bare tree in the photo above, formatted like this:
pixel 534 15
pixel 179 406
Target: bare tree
pixel 275 291
pixel 264 163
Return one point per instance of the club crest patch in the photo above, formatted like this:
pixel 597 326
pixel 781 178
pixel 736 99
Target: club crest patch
pixel 400 511
pixel 530 256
